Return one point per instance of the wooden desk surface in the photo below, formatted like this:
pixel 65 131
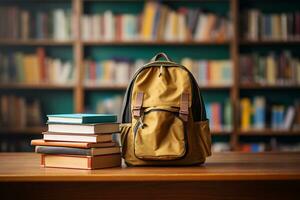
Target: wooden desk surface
pixel 20 167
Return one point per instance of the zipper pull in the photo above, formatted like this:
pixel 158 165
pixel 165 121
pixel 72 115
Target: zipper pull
pixel 160 71
pixel 141 123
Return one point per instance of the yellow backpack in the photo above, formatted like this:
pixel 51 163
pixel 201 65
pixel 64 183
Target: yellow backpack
pixel 164 118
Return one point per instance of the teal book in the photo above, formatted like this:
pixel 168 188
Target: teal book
pixel 82 118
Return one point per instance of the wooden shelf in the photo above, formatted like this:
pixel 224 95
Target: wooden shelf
pixel 154 43
pixel 44 86
pixel 220 133
pixel 270 42
pixel 268 132
pixel 261 87
pixel 23 131
pixel 35 42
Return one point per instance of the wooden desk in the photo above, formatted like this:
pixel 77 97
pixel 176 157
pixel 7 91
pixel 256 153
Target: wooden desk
pixel 224 176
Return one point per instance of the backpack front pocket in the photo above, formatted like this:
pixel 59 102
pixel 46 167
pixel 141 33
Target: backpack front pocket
pixel 160 135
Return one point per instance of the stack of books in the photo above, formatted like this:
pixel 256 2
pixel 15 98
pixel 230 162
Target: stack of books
pixel 81 141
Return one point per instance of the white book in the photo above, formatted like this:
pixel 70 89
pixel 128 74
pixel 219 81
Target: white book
pixel 284 31
pixel 60 25
pixel 109 26
pixel 85 28
pixel 168 33
pixel 122 73
pixel 77 138
pixel 289 118
pixel 56 63
pixel 203 73
pixel 182 27
pixel 66 72
pixel 201 26
pixel 102 128
pixel 96 24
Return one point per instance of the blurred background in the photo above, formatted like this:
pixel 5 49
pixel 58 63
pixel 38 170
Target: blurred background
pixel 66 56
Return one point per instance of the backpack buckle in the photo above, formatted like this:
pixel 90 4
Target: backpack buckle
pixel 138 104
pixel 184 106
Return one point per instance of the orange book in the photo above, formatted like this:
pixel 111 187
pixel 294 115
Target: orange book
pixel 81 162
pixel 42 63
pixel 119 28
pixel 85 145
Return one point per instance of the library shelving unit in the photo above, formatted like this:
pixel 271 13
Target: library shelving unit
pixel 75 97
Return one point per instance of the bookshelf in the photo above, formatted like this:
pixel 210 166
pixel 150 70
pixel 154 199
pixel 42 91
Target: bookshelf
pixel 80 95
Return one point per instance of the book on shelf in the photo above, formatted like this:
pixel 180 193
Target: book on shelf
pixel 257 114
pixel 274 144
pixel 220 147
pixel 210 72
pixel 119 71
pixel 81 162
pixel 19 145
pixel 34 68
pixel 157 22
pixel 284 26
pixel 19 112
pixel 253 147
pixel 114 71
pixel 110 105
pixel 219 115
pixel 272 69
pixel 81 118
pixel 23 24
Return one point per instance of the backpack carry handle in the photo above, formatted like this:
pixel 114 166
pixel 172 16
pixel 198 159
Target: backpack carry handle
pixel 160 55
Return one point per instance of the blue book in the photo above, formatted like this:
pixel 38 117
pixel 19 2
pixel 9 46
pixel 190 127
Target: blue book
pixel 82 118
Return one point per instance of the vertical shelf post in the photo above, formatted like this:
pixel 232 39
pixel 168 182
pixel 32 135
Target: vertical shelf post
pixel 78 56
pixel 234 50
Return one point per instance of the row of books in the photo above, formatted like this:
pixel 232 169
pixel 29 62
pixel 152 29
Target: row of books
pixel 280 26
pixel 219 115
pixel 210 72
pixel 157 22
pixel 220 147
pixel 18 23
pixel 34 68
pixel 120 70
pixel 17 145
pixel 81 141
pixel 19 112
pixel 272 145
pixel 254 115
pixel 280 69
pixel 110 105
pixel 116 71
